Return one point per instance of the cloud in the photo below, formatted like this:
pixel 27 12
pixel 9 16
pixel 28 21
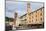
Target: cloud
pixel 36 5
pixel 19 7
pixel 10 0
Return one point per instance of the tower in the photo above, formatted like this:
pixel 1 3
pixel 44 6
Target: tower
pixel 15 18
pixel 28 12
pixel 28 8
pixel 14 22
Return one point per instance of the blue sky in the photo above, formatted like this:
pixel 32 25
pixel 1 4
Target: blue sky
pixel 20 7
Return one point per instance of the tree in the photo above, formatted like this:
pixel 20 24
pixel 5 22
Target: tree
pixel 6 19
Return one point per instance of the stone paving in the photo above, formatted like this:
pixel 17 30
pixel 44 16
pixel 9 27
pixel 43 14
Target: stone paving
pixel 25 28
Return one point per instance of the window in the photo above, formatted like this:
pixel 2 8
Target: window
pixel 29 17
pixel 32 20
pixel 36 15
pixel 25 19
pixel 41 18
pixel 41 14
pixel 36 19
pixel 32 16
pixel 29 21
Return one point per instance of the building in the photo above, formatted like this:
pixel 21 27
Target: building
pixel 35 17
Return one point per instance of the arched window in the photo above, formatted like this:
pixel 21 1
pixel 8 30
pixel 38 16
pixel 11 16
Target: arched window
pixel 29 21
pixel 41 19
pixel 36 19
pixel 41 14
pixel 32 20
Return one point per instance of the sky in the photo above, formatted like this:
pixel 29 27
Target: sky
pixel 20 7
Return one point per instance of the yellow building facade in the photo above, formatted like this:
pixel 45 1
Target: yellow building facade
pixel 35 17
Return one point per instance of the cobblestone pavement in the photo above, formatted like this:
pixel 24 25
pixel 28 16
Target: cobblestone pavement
pixel 25 28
